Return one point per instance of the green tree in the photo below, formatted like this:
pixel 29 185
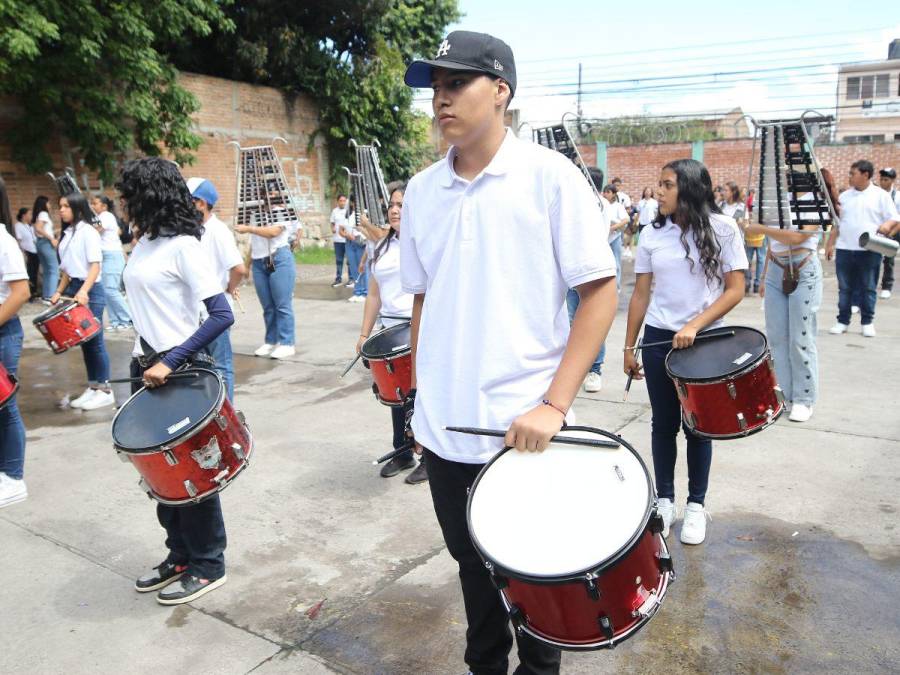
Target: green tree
pixel 92 71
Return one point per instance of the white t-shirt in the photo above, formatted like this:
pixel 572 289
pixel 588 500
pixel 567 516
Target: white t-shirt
pixel 25 235
pixel 109 236
pixel 12 264
pixel 220 246
pixel 735 210
pixel 647 210
pixel 261 247
pixel 394 301
pixel 895 197
pixel 624 199
pixel 808 244
pixel 681 292
pixel 338 219
pixel 44 225
pixel 78 249
pixel 863 211
pixel 615 214
pixel 166 280
pixel 492 336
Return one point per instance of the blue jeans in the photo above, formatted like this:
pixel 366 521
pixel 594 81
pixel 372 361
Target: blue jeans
pixel 220 351
pixel 12 429
pixel 96 360
pixel 791 328
pixel 666 411
pixel 755 277
pixel 340 250
pixel 354 256
pixel 275 291
pixel 113 264
pixel 857 275
pixel 49 267
pixel 572 301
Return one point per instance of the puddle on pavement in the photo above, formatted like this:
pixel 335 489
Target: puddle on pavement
pixel 754 598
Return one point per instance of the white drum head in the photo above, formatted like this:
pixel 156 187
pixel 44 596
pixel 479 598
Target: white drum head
pixel 560 512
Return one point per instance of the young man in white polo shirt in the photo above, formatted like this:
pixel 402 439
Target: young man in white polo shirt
pixel 338 222
pixel 492 350
pixel 227 266
pixel 886 178
pixel 865 207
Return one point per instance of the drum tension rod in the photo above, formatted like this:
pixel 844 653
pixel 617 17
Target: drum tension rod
pixel 607 628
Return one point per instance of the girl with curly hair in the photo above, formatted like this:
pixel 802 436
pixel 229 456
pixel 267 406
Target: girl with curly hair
pixel 689 273
pixel 165 275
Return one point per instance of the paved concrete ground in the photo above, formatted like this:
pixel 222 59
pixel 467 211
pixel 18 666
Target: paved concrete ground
pixel 333 569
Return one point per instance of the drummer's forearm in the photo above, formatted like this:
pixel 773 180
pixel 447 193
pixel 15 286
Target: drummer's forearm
pixel 418 303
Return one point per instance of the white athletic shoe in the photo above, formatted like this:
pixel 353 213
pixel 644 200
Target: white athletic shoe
pixel 12 490
pixel 693 529
pixel 265 350
pixel 854 309
pixel 84 398
pixel 885 294
pixel 282 351
pixel 838 328
pixel 868 330
pixel 593 382
pixel 800 412
pixel 100 399
pixel 666 509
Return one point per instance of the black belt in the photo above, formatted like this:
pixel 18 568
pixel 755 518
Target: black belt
pixel 151 357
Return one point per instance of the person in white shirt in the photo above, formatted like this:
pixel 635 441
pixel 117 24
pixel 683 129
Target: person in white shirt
pixel 489 351
pixel 81 255
pixel 886 178
pixel 355 234
pixel 110 229
pixel 274 276
pixel 338 222
pixel 865 208
pixel 689 270
pixel 647 209
pixel 388 305
pixel 46 243
pixel 24 234
pixel 13 295
pixel 227 266
pixel 622 196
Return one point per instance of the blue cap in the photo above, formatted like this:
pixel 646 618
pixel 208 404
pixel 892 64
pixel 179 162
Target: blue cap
pixel 201 188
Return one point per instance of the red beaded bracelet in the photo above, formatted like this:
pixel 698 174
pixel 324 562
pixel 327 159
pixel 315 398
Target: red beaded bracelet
pixel 555 407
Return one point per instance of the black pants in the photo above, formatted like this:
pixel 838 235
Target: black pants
pixel 32 264
pixel 887 276
pixel 195 534
pixel 398 422
pixel 488 636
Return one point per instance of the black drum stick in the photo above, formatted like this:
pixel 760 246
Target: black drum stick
pixel 352 363
pixel 132 380
pixel 637 349
pixel 702 336
pixel 571 440
pixel 393 453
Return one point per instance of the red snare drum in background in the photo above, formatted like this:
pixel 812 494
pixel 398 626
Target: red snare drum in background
pixel 184 438
pixel 727 385
pixel 572 540
pixel 66 325
pixel 8 386
pixel 389 355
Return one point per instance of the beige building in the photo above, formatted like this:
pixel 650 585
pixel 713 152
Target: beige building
pixel 868 100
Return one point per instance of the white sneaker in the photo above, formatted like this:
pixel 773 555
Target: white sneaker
pixel 593 382
pixel 868 330
pixel 838 328
pixel 693 529
pixel 282 351
pixel 666 508
pixel 350 284
pixel 885 294
pixel 265 350
pixel 12 490
pixel 854 309
pixel 800 412
pixel 100 399
pixel 84 398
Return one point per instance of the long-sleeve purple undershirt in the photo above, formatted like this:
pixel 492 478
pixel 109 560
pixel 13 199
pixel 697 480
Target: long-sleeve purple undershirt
pixel 220 318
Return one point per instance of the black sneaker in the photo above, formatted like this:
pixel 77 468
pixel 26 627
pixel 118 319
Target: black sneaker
pixel 161 576
pixel 337 282
pixel 420 475
pixel 398 464
pixel 187 589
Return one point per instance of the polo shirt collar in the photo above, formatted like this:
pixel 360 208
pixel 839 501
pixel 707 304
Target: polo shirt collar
pixel 499 165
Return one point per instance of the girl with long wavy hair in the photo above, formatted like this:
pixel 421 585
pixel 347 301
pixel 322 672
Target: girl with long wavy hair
pixel 689 270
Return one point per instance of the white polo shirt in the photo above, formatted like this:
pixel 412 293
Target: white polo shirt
pixel 109 232
pixel 680 288
pixel 79 247
pixel 615 214
pixel 25 235
pixel 647 210
pixel 220 246
pixel 863 211
pixel 338 219
pixel 44 224
pixel 12 263
pixel 495 257
pixel 261 247
pixel 386 270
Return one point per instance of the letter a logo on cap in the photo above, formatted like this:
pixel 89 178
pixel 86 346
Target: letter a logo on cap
pixel 443 49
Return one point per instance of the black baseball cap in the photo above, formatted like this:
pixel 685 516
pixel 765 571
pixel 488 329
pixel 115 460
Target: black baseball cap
pixel 888 172
pixel 468 51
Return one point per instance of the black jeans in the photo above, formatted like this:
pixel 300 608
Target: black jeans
pixel 195 534
pixel 887 277
pixel 32 264
pixel 398 422
pixel 488 636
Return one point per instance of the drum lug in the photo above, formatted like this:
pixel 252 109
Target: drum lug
pixel 591 584
pixel 732 390
pixel 222 422
pixel 238 451
pixel 190 489
pixel 656 524
pixel 742 422
pixel 399 393
pixel 123 457
pixel 241 417
pixel 779 395
pixel 682 390
pixel 222 475
pixel 771 363
pixel 499 582
pixel 691 420
pixel 388 366
pixel 607 628
pixel 517 617
pixel 171 459
pixel 665 564
pixel 142 484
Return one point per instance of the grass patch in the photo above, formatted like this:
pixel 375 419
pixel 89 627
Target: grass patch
pixel 313 255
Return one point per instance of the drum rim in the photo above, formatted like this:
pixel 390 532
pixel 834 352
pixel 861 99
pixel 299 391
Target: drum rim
pixel 725 377
pixel 175 442
pixel 12 394
pixel 392 355
pixel 497 569
pixel 53 311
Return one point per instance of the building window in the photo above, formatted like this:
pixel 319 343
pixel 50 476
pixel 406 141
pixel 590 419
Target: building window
pixel 868 87
pixel 852 88
pixel 874 138
pixel 881 85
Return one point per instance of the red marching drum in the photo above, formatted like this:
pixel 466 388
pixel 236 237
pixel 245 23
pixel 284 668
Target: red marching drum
pixel 727 384
pixel 8 386
pixel 572 540
pixel 389 356
pixel 184 438
pixel 66 325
